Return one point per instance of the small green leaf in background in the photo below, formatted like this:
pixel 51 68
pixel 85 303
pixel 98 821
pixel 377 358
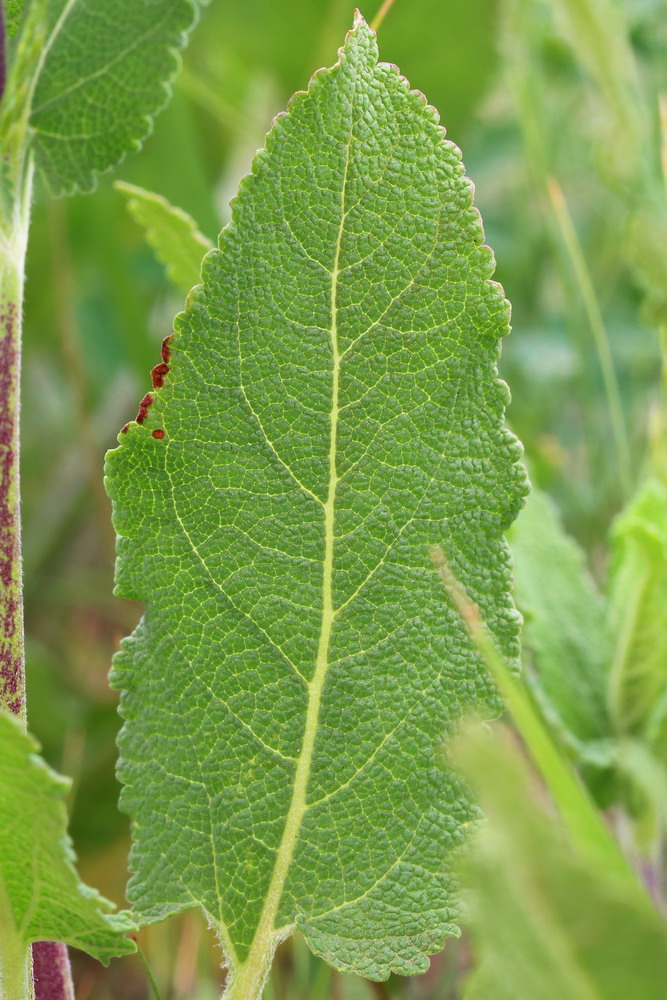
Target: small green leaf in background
pixel 598 666
pixel 638 613
pixel 637 686
pixel 546 922
pixel 13 13
pixel 565 633
pixel 332 409
pixel 41 896
pixel 103 72
pixel 172 233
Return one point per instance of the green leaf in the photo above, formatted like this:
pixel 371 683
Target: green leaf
pixel 41 896
pixel 332 409
pixel 13 14
pixel 172 233
pixel 565 634
pixel 638 614
pixel 546 921
pixel 102 73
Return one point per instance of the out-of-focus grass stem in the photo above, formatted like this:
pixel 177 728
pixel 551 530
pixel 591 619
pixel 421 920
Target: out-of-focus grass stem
pixel 633 166
pixel 526 82
pixel 586 828
pixel 598 34
pixel 381 14
pixel 597 327
pixel 149 973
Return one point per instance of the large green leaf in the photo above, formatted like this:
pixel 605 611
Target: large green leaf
pixel 41 896
pixel 565 632
pixel 331 410
pixel 99 71
pixel 548 921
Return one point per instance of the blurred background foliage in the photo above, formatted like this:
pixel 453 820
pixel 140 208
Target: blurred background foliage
pixel 561 130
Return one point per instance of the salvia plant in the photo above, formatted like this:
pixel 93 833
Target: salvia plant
pixel 311 505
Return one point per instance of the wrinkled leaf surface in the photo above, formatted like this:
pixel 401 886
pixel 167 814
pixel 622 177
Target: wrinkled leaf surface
pixel 332 409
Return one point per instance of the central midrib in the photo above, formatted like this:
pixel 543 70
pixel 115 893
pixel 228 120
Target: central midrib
pixel 267 935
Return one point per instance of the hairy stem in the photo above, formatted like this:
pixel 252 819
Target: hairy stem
pixel 51 971
pixel 13 245
pixel 50 961
pixel 15 959
pixel 3 53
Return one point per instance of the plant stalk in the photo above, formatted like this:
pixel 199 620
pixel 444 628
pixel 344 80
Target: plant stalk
pixel 381 14
pixel 249 979
pixel 49 960
pixel 16 981
pixel 598 330
pixel 13 246
pixel 3 53
pixel 52 975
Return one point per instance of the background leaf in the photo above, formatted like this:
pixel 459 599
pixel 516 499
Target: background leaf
pixel 172 233
pixel 102 74
pixel 565 638
pixel 546 922
pixel 638 611
pixel 332 409
pixel 38 881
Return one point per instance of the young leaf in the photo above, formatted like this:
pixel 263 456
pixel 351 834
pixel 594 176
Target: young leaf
pixel 41 896
pixel 565 632
pixel 546 921
pixel 638 613
pixel 101 73
pixel 331 411
pixel 172 233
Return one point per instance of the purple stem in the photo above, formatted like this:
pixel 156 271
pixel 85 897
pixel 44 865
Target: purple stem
pixel 51 968
pixel 3 55
pixel 51 971
pixel 12 676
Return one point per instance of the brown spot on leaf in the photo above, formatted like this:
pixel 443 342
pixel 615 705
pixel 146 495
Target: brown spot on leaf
pixel 143 408
pixel 166 350
pixel 158 433
pixel 158 373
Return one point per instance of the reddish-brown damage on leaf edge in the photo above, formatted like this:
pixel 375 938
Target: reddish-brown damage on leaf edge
pixel 166 350
pixel 158 373
pixel 143 408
